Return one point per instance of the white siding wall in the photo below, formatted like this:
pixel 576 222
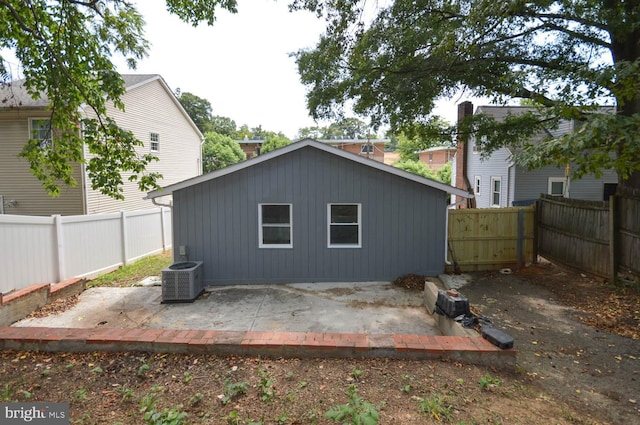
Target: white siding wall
pixel 51 249
pixel 16 181
pixel 149 108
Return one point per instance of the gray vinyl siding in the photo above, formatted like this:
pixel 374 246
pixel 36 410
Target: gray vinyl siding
pixel 496 165
pixel 530 184
pixel 403 222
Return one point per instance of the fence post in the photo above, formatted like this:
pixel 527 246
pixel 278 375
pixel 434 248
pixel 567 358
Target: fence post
pixel 162 230
pixel 519 248
pixel 125 237
pixel 536 228
pixel 57 223
pixel 613 259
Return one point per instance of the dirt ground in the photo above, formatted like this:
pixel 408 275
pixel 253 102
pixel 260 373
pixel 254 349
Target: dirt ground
pixel 571 370
pixel 578 337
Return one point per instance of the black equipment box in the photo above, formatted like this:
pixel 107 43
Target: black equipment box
pixel 452 304
pixel 497 337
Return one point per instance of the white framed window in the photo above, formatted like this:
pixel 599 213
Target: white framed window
pixel 477 146
pixel 344 225
pixel 366 148
pixel 477 185
pixel 496 188
pixel 274 225
pixel 154 142
pixel 556 186
pixel 40 129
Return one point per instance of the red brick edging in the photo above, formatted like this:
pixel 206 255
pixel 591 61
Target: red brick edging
pixel 474 350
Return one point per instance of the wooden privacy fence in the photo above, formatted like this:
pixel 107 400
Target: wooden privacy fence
pixel 597 237
pixel 491 238
pixel 52 249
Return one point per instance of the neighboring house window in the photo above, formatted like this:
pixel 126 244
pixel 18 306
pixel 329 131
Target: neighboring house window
pixel 345 226
pixel 275 225
pixel 40 130
pixel 496 186
pixel 430 157
pixel 477 147
pixel 556 186
pixel 155 142
pixel 366 148
pixel 476 185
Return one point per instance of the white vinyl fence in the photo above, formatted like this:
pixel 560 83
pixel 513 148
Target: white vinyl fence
pixel 51 249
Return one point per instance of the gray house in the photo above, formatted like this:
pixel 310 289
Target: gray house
pixel 497 182
pixel 309 212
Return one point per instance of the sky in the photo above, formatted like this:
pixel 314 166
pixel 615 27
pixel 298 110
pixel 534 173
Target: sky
pixel 241 64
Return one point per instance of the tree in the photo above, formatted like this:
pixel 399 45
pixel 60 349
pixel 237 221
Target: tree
pixel 198 109
pixel 65 48
pixel 273 142
pixel 415 167
pixel 219 151
pixel 412 142
pixel 223 125
pixel 569 56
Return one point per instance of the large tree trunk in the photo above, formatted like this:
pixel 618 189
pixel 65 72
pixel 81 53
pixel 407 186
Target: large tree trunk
pixel 625 47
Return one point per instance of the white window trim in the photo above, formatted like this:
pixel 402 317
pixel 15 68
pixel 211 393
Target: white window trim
pixel 260 227
pixel 43 142
pixel 367 149
pixel 557 180
pixel 151 142
pixel 492 192
pixel 329 224
pixel 477 185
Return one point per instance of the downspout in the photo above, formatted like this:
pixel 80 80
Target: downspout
pixel 509 183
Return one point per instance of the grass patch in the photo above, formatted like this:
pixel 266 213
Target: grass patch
pixel 133 273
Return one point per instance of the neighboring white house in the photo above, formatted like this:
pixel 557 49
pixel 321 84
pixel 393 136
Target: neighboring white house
pixel 152 113
pixel 497 182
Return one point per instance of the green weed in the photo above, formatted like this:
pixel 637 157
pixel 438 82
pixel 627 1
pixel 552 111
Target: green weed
pixel 232 390
pixel 489 381
pixel 355 412
pixel 436 408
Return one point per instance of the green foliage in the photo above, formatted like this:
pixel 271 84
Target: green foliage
pixel 132 273
pixel 273 142
pixel 355 412
pixel 563 58
pixel 144 368
pixel 232 390
pixel 65 50
pixel 267 392
pixel 444 173
pixel 436 408
pixel 488 381
pixel 344 128
pixel 198 109
pixel 220 151
pixel 415 167
pixel 435 132
pixel 6 393
pixel 81 394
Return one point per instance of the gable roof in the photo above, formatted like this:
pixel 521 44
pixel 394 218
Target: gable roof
pixel 300 145
pixel 14 94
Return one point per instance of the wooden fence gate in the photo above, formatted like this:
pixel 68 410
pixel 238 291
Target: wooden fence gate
pixel 491 238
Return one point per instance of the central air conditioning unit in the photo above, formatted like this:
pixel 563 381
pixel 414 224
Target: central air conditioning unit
pixel 182 282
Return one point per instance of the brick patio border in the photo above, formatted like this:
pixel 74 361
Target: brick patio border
pixel 475 350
